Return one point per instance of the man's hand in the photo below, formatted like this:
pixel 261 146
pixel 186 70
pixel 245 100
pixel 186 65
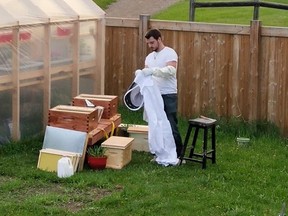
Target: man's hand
pixel 137 72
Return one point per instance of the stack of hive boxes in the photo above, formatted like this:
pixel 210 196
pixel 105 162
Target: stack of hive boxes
pixel 118 149
pixel 82 119
pixel 63 120
pixel 110 118
pixel 97 121
pixel 61 142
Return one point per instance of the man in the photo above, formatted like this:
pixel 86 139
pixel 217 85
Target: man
pixel 161 63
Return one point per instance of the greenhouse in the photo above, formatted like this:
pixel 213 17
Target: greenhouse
pixel 50 51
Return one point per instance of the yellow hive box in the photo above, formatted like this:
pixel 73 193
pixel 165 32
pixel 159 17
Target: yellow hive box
pixel 140 135
pixel 118 151
pixel 48 159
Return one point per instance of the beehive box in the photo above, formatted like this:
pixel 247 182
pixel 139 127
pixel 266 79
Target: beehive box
pixel 109 102
pixel 48 159
pixel 140 135
pixel 74 117
pixel 118 151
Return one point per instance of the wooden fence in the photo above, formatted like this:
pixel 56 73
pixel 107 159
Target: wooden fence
pixel 231 70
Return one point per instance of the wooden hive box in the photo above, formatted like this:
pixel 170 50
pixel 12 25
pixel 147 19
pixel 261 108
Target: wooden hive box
pixel 74 118
pixel 118 151
pixel 140 135
pixel 48 159
pixel 109 102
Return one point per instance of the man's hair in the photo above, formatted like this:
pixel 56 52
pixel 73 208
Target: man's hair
pixel 155 33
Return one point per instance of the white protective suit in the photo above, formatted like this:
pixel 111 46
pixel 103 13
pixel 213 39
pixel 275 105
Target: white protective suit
pixel 160 137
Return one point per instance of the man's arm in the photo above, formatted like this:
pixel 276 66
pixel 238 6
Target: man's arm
pixel 172 63
pixel 167 71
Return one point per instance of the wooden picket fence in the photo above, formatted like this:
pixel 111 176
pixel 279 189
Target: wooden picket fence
pixel 230 70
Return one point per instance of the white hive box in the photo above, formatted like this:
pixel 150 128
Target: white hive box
pixel 118 151
pixel 140 135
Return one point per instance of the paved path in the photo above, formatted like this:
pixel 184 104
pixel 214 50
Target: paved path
pixel 134 8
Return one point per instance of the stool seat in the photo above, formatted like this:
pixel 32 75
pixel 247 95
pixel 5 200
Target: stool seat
pixel 206 124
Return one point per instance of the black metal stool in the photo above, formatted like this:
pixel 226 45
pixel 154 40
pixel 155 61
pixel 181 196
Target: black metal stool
pixel 206 124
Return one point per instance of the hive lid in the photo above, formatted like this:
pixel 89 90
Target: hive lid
pixel 64 139
pixel 138 129
pixel 68 108
pixel 96 97
pixel 117 142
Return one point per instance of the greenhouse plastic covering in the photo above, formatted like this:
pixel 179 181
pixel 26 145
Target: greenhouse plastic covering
pixel 24 12
pixel 40 37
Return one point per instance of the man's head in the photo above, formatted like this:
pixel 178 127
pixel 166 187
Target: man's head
pixel 154 39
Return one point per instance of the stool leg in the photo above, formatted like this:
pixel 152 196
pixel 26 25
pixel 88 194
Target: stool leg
pixel 185 143
pixel 204 159
pixel 213 145
pixel 194 142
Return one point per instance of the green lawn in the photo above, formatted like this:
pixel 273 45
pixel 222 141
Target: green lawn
pixel 233 15
pixel 246 180
pixel 104 3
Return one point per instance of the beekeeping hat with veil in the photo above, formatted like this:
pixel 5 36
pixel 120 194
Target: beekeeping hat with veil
pixel 133 98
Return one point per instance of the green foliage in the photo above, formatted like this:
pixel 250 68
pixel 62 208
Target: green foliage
pixel 241 128
pixel 130 117
pixel 96 151
pixel 27 145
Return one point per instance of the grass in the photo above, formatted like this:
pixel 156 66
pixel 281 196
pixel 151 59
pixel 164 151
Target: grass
pixel 246 180
pixel 104 3
pixel 232 15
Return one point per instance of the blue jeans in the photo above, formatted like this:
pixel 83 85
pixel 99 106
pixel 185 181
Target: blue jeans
pixel 170 108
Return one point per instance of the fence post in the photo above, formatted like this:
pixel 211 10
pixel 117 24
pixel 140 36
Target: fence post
pixel 256 10
pixel 254 110
pixel 143 28
pixel 16 134
pixel 192 10
pixel 47 74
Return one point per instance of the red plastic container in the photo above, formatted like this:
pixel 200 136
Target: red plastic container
pixel 25 36
pixel 63 31
pixel 7 37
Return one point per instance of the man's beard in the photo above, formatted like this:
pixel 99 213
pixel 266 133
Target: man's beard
pixel 156 49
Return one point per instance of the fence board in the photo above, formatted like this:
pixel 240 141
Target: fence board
pixel 263 76
pixel 186 42
pixel 244 70
pixel 281 65
pixel 234 77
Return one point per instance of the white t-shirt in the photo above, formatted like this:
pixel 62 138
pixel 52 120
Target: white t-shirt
pixel 159 59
